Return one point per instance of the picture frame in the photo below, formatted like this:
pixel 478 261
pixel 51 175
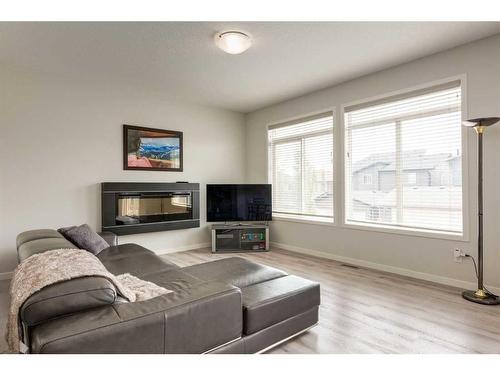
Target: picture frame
pixel 152 149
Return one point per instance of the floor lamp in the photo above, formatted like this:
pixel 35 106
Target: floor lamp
pixel 481 295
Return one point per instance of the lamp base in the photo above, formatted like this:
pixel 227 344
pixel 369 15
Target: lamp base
pixel 481 296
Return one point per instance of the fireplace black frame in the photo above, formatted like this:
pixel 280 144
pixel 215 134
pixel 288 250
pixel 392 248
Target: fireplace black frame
pixel 111 191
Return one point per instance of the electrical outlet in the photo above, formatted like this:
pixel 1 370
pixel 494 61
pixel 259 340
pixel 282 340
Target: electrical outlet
pixel 458 255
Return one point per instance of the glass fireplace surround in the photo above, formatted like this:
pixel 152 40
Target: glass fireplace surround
pixel 157 207
pixel 141 207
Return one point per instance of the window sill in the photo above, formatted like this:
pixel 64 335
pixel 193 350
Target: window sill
pixel 380 229
pixel 406 231
pixel 297 219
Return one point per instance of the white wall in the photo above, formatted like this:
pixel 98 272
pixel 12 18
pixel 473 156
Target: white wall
pixel 61 137
pixel 418 256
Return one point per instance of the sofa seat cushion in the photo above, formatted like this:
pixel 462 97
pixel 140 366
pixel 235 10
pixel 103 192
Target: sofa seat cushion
pixel 133 259
pixel 175 280
pixel 273 301
pixel 67 297
pixel 234 271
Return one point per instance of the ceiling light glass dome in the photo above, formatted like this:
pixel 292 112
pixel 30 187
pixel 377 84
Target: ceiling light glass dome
pixel 233 42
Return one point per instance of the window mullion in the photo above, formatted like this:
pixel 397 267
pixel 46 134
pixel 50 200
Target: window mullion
pixel 348 174
pixel 399 173
pixel 274 171
pixel 302 167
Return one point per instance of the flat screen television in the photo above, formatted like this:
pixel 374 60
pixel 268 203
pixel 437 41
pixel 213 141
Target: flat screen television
pixel 245 202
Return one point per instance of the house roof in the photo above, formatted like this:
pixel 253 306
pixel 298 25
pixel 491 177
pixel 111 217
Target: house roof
pixel 384 158
pixel 413 160
pixel 417 162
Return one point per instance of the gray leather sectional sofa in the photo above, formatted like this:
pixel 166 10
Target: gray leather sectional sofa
pixel 225 306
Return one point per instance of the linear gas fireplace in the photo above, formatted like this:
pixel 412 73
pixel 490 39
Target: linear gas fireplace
pixel 136 207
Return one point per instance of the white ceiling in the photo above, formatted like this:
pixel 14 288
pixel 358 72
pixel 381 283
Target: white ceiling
pixel 287 59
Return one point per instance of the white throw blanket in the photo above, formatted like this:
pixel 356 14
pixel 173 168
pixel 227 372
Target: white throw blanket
pixel 50 267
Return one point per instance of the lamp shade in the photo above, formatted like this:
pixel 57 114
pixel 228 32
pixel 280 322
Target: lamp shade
pixel 484 121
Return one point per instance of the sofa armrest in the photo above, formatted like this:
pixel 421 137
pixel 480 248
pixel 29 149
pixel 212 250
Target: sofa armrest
pixel 206 323
pixel 109 237
pixel 67 297
pixel 195 320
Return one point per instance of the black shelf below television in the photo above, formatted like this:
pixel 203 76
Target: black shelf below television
pixel 238 238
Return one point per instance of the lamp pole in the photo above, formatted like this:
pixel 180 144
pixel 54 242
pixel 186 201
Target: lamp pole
pixel 481 295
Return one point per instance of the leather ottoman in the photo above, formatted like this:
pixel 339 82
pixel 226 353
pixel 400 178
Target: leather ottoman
pixel 273 301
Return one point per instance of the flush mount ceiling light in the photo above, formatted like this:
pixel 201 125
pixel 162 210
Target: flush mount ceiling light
pixel 233 42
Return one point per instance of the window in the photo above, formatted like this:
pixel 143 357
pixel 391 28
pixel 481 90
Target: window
pixel 412 146
pixel 301 168
pixel 367 179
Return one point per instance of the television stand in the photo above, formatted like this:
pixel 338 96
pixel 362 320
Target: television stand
pixel 240 237
pixel 236 224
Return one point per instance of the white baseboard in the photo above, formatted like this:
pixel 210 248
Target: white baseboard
pixel 6 275
pixel 386 268
pixel 183 248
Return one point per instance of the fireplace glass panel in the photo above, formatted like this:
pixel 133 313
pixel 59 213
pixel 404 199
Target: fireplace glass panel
pixel 136 209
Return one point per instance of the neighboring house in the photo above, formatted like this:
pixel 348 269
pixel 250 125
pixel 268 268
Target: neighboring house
pixel 427 181
pixel 367 178
pixel 455 169
pixel 314 197
pixel 369 205
pixel 378 172
pixel 365 174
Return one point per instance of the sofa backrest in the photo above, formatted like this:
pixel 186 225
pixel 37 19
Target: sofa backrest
pixel 38 241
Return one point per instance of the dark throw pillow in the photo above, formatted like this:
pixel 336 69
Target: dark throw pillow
pixel 85 238
pixel 65 230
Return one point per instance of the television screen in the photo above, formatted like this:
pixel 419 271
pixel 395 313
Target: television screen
pixel 239 202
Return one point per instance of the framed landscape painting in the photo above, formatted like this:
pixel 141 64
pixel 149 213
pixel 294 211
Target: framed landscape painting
pixel 151 149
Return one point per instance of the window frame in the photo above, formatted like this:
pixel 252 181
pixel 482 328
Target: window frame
pixel 306 219
pixel 394 229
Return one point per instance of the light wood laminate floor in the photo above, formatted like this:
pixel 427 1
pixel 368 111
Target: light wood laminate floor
pixel 367 311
